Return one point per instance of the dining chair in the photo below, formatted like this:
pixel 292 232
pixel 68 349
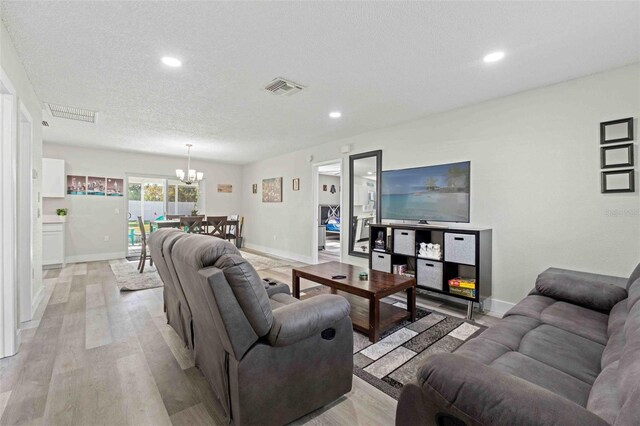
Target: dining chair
pixel 174 216
pixel 144 255
pixel 192 224
pixel 217 226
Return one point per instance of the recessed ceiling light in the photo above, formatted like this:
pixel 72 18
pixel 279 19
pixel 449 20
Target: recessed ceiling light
pixel 493 57
pixel 171 62
pixel 335 114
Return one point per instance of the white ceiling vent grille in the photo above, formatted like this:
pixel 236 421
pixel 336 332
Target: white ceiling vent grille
pixel 73 113
pixel 45 123
pixel 281 86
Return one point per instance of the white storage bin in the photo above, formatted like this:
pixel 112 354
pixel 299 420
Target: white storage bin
pixel 429 274
pixel 381 261
pixel 460 248
pixel 404 241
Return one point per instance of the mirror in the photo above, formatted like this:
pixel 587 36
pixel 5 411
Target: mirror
pixel 364 199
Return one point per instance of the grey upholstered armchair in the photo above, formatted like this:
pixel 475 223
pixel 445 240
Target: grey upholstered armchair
pixel 268 357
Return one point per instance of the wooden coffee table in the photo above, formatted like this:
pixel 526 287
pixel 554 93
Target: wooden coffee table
pixel 368 315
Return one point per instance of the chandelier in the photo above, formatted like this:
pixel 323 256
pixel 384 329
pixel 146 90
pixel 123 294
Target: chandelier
pixel 191 175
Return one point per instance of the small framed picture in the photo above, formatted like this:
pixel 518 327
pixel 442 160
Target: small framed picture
pixel 324 188
pixel 255 188
pixel 225 187
pixel 616 131
pixel 296 184
pixel 616 156
pixel 618 181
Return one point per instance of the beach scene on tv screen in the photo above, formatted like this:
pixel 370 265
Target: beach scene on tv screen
pixel 436 193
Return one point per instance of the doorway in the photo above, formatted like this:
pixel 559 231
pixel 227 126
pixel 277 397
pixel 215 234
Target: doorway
pixel 328 206
pixel 155 198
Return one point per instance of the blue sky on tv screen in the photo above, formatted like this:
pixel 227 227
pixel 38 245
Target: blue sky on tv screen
pixel 407 181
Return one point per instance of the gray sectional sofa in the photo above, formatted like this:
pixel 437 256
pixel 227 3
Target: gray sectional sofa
pixel 567 354
pixel 269 358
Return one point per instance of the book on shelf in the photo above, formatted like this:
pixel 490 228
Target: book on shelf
pixel 463 283
pixel 461 291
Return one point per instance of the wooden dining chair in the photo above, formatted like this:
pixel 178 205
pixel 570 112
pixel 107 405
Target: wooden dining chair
pixel 217 226
pixel 144 255
pixel 174 216
pixel 192 224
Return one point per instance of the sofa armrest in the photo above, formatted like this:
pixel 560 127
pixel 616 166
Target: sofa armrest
pixel 453 386
pixel 593 291
pixel 297 321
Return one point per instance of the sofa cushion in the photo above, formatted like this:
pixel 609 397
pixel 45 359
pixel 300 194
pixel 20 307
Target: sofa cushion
pixel 510 330
pixel 634 294
pixel 248 289
pixel 565 351
pixel 629 366
pixel 634 276
pixel 531 306
pixel 578 320
pixel 603 398
pixel 482 350
pixel 588 291
pixel 281 299
pixel 544 375
pixel 615 330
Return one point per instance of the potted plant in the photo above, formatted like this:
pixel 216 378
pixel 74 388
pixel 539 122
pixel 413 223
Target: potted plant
pixel 194 210
pixel 62 212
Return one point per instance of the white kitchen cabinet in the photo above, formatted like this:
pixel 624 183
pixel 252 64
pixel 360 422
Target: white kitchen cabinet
pixel 53 178
pixel 53 243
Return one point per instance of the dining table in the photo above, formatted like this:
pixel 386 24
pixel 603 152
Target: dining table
pixel 170 223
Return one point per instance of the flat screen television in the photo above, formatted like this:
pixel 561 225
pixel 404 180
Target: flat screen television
pixel 438 193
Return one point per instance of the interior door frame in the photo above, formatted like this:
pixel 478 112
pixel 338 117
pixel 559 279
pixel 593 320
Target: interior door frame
pixel 9 339
pixel 315 179
pixel 24 196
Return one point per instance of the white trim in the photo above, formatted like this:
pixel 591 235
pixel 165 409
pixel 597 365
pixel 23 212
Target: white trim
pixel 35 301
pixel 279 253
pixel 95 257
pixel 25 214
pixel 8 288
pixel 497 308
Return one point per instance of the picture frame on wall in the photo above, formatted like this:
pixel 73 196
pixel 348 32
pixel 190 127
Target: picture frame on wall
pixel 618 181
pixel 225 188
pixel 616 131
pixel 76 185
pixel 255 188
pixel 96 186
pixel 296 184
pixel 272 190
pixel 616 156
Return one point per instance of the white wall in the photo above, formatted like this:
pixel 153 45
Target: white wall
pixel 326 197
pixel 14 70
pixel 92 218
pixel 535 180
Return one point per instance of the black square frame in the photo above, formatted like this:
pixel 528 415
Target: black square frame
pixel 630 188
pixel 603 126
pixel 603 156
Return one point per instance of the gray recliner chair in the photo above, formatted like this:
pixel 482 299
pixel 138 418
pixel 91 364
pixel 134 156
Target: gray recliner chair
pixel 269 358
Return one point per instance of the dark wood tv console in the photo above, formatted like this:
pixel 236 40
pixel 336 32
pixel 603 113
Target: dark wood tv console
pixel 466 253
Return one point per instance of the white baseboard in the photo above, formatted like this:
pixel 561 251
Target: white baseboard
pixel 35 301
pixel 279 253
pixel 497 308
pixel 95 257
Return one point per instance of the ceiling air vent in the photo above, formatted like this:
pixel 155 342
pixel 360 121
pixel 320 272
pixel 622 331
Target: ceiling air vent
pixel 72 113
pixel 281 86
pixel 45 123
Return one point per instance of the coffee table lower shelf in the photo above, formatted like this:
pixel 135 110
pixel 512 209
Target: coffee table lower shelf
pixel 389 314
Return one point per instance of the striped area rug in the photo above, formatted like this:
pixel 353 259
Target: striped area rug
pixel 396 358
pixel 403 349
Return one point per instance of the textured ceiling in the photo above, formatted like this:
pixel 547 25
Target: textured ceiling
pixel 380 63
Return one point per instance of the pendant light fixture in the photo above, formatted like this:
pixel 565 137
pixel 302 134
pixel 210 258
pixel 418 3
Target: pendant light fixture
pixel 191 175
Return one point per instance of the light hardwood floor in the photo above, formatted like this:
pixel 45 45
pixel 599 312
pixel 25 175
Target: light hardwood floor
pixel 95 356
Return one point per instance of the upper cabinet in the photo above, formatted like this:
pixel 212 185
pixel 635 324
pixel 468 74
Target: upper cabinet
pixel 53 178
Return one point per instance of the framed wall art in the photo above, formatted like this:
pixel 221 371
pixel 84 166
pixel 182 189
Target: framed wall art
pixel 272 190
pixel 616 156
pixel 618 181
pixel 616 131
